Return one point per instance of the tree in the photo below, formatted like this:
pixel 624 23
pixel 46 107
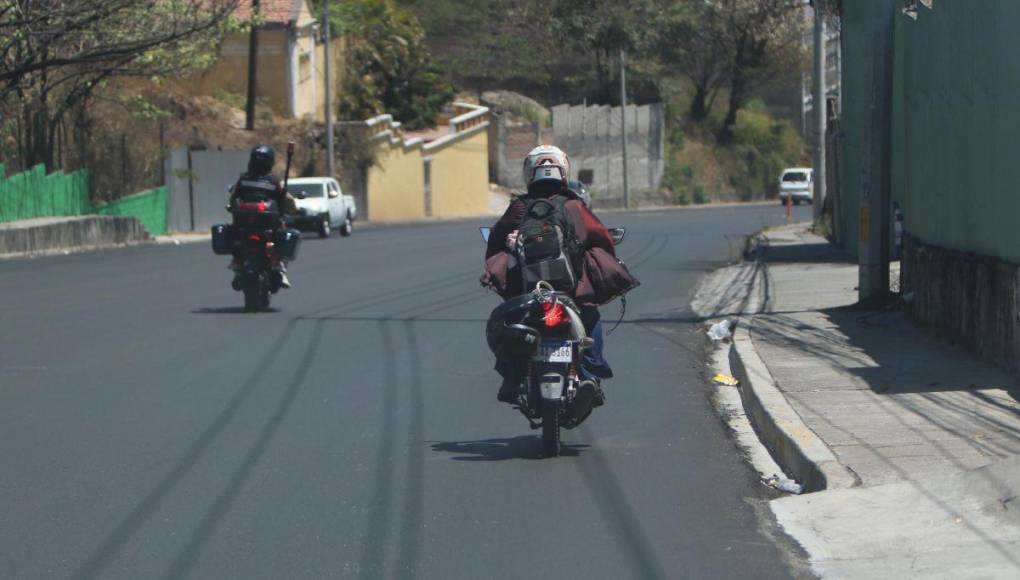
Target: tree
pixel 490 45
pixel 56 53
pixel 692 43
pixel 600 29
pixel 764 40
pixel 389 68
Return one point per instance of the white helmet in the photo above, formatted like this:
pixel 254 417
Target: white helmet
pixel 546 162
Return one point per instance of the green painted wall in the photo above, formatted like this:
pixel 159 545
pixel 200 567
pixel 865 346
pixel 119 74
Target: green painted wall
pixel 148 206
pixel 955 159
pixel 34 194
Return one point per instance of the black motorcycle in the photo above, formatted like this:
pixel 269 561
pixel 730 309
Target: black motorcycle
pixel 541 333
pixel 259 232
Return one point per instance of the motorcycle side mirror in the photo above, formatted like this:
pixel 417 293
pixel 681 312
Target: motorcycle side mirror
pixel 617 235
pixel 586 176
pixel 485 233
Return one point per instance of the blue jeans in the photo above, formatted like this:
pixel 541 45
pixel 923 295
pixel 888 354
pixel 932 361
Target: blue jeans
pixel 593 362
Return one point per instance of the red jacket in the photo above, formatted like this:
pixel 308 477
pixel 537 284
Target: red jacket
pixel 603 277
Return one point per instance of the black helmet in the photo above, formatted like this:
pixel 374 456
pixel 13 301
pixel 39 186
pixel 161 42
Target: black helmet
pixel 262 160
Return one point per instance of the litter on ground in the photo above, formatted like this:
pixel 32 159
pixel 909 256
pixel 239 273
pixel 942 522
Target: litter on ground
pixel 721 379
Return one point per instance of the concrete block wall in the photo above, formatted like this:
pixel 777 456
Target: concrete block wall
pixel 968 299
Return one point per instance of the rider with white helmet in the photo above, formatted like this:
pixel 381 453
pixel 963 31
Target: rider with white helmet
pixel 601 277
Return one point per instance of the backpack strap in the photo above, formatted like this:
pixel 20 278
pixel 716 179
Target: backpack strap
pixel 573 245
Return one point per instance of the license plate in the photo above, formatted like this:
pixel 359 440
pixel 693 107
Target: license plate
pixel 558 352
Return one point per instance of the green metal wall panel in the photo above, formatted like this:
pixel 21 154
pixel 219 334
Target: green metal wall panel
pixel 853 117
pixel 956 160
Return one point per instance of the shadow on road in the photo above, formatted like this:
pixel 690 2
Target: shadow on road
pixel 231 310
pixel 521 447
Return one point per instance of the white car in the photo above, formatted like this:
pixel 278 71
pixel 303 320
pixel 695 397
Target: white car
pixel 324 207
pixel 798 184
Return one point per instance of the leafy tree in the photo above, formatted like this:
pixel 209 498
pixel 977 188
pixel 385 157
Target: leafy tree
pixel 600 29
pixel 56 53
pixel 692 43
pixel 764 41
pixel 389 68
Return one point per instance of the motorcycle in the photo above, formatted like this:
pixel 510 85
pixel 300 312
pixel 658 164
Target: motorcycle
pixel 258 227
pixel 541 332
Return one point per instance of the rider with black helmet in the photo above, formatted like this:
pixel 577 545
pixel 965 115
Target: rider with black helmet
pixel 259 183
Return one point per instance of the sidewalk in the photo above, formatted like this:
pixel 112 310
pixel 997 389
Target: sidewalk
pixel 927 434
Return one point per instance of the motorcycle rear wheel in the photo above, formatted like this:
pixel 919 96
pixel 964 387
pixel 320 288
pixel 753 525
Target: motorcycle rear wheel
pixel 550 429
pixel 251 295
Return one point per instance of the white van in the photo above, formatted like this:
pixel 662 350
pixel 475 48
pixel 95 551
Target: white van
pixel 797 183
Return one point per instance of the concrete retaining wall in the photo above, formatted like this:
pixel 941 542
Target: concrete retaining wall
pixel 971 300
pixel 592 138
pixel 76 233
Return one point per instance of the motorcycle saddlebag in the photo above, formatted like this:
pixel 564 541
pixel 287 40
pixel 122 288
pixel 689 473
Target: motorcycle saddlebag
pixel 287 243
pixel 508 332
pixel 222 239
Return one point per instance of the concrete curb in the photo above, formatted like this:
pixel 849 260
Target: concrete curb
pixel 69 235
pixel 801 453
pixel 796 448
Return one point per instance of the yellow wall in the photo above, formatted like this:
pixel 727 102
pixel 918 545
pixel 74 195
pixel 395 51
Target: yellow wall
pixel 458 169
pixel 230 72
pixel 460 175
pixel 396 184
pixel 339 52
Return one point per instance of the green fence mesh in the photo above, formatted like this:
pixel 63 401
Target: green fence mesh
pixel 149 207
pixel 34 194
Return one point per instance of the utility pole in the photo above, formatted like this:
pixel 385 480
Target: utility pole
pixel 330 161
pixel 820 110
pixel 873 236
pixel 623 124
pixel 253 51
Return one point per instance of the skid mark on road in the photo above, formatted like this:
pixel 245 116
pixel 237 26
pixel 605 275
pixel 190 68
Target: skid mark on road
pixel 410 537
pixel 618 513
pixel 380 298
pixel 131 524
pixel 376 545
pixel 186 560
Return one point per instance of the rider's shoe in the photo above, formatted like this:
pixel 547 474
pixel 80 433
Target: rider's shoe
pixel 281 270
pixel 587 393
pixel 600 396
pixel 507 392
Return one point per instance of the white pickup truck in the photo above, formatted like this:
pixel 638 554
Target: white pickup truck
pixel 324 207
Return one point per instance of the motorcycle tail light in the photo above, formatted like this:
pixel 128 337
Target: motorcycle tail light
pixel 554 315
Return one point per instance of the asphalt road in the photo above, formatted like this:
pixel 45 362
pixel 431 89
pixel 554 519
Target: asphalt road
pixel 150 429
